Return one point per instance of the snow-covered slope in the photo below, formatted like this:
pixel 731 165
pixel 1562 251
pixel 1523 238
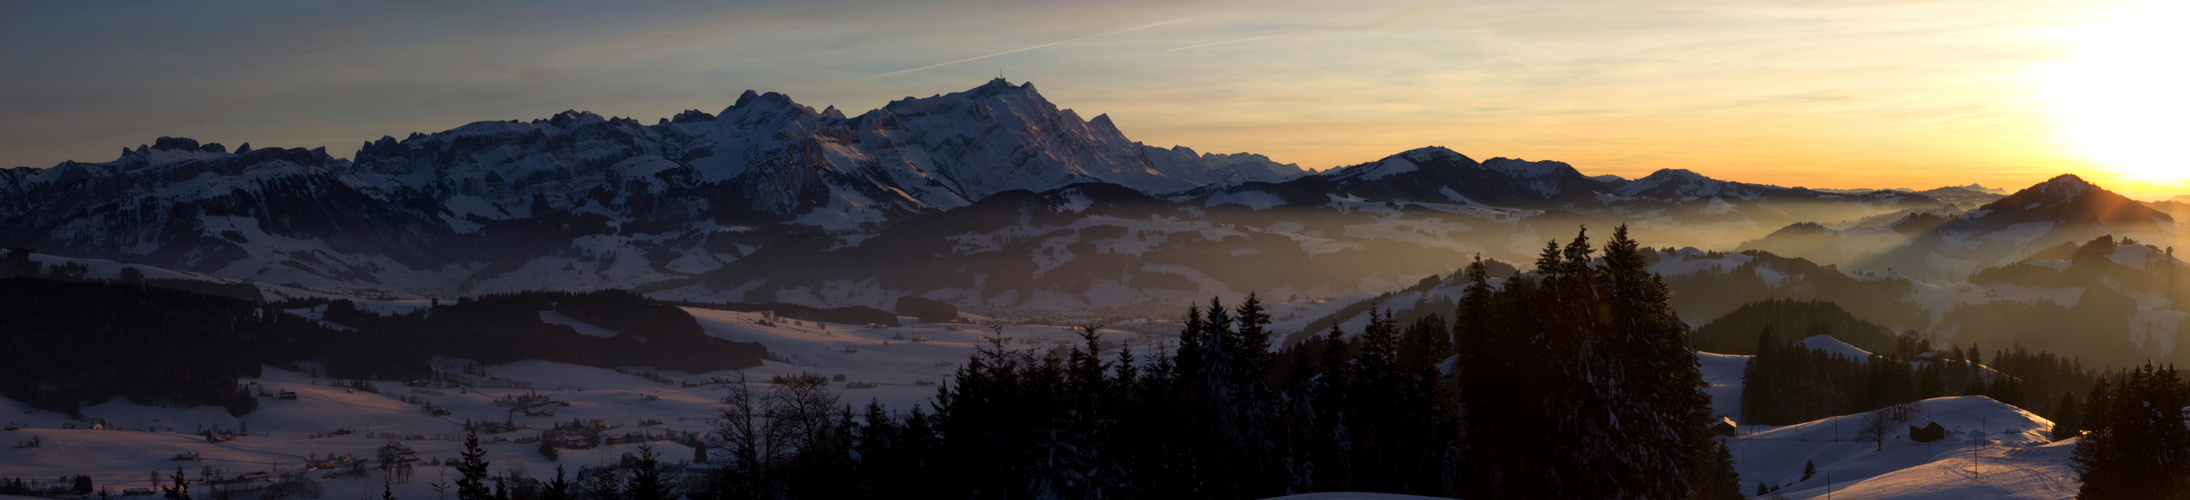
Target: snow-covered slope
pixel 577 200
pixel 1723 374
pixel 904 364
pixel 1832 346
pixel 1992 450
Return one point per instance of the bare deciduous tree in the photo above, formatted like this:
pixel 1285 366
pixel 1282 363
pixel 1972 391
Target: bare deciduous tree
pixel 1876 427
pixel 762 433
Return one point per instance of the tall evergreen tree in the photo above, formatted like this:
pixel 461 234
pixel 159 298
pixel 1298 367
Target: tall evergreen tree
pixel 646 481
pixel 1723 483
pixel 1332 453
pixel 1761 389
pixel 472 465
pixel 1622 409
pixel 556 489
pixel 2137 446
pixel 2068 421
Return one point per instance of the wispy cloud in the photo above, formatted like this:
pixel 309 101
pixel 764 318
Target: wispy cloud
pixel 1371 24
pixel 1252 38
pixel 1017 50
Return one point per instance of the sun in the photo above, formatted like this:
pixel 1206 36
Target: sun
pixel 2121 101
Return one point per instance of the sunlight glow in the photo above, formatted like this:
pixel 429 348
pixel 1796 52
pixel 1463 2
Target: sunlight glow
pixel 2121 102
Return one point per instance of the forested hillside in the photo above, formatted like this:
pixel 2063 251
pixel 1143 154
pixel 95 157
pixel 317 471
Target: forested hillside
pixel 1531 391
pixel 75 343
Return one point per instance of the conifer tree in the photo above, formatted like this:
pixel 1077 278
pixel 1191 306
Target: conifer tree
pixel 1193 352
pixel 2067 422
pixel 1603 351
pixel 472 464
pixel 2137 446
pixel 605 485
pixel 646 478
pixel 1723 482
pixel 1332 456
pixel 556 489
pixel 1761 389
pixel 1087 422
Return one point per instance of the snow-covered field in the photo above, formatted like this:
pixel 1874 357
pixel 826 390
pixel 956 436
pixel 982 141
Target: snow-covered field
pixel 284 434
pixel 1992 450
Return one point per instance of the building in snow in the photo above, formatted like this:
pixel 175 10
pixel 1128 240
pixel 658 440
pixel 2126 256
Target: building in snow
pixel 1725 427
pixel 1924 430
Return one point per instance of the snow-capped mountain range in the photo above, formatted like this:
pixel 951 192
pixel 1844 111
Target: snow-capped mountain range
pixel 519 205
pixel 581 201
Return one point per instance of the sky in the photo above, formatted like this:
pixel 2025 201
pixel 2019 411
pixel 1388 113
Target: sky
pixel 1840 94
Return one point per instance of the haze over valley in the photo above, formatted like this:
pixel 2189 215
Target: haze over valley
pixel 990 293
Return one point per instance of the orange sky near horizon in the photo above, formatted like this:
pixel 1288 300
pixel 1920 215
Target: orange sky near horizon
pixel 1848 94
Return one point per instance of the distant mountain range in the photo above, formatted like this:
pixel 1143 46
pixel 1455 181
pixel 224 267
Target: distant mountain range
pixel 1950 244
pixel 496 206
pixel 992 196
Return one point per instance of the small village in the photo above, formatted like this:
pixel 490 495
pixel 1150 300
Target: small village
pixel 461 402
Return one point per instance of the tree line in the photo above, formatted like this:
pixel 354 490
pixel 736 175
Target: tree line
pixel 2137 445
pixel 70 343
pixel 1573 381
pixel 1787 383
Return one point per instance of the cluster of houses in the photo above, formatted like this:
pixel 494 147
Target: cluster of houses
pixel 336 463
pixel 532 404
pixel 260 390
pixel 453 380
pixel 489 427
pixel 576 435
pixel 716 380
pixel 397 459
pixel 584 434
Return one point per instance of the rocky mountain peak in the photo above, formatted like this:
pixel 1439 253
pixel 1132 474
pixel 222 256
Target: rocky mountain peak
pixel 165 143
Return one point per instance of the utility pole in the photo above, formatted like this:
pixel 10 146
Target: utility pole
pixel 1983 429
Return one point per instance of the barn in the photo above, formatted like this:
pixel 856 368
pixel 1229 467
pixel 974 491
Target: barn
pixel 1725 427
pixel 1924 430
